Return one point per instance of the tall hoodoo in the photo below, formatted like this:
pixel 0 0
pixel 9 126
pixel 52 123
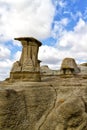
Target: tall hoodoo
pixel 28 67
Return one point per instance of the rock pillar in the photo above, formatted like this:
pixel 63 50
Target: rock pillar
pixel 28 67
pixel 69 66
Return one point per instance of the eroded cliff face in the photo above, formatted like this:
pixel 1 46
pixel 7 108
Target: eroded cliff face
pixel 30 100
pixel 13 110
pixel 56 103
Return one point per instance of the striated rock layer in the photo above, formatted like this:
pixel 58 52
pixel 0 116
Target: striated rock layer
pixel 56 103
pixel 28 67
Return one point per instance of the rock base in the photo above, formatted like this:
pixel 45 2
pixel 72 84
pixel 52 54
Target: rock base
pixel 25 76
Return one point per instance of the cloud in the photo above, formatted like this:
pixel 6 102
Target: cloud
pixel 75 41
pixel 62 3
pixel 76 15
pixel 17 55
pixel 5 66
pixel 4 52
pixel 48 54
pixel 59 27
pixel 26 18
pixel 77 38
pixel 69 44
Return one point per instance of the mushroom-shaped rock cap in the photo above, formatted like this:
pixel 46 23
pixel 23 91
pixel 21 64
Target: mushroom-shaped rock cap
pixel 31 39
pixel 68 63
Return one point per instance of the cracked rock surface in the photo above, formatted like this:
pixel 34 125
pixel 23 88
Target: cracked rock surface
pixel 56 103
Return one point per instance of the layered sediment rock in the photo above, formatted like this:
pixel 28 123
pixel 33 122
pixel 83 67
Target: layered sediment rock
pixel 46 71
pixel 58 102
pixel 28 67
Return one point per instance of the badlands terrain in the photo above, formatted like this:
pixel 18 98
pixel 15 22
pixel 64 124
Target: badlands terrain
pixel 37 98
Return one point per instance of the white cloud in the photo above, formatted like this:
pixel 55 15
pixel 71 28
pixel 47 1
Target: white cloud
pixel 76 15
pixel 7 63
pixel 17 43
pixel 5 66
pixel 17 55
pixel 48 54
pixel 26 18
pixel 81 27
pixel 4 52
pixel 75 42
pixel 64 21
pixel 62 3
pixel 59 27
pixel 77 39
pixel 70 44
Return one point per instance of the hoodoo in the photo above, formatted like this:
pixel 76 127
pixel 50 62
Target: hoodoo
pixel 69 66
pixel 28 67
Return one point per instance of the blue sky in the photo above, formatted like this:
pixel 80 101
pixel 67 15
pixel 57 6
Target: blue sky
pixel 61 26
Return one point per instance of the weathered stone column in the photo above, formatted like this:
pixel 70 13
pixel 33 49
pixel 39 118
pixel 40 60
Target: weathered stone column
pixel 28 66
pixel 24 52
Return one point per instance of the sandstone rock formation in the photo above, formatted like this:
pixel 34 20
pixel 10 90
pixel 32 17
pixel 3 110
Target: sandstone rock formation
pixel 83 68
pixel 56 103
pixel 46 71
pixel 28 67
pixel 68 115
pixel 69 66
